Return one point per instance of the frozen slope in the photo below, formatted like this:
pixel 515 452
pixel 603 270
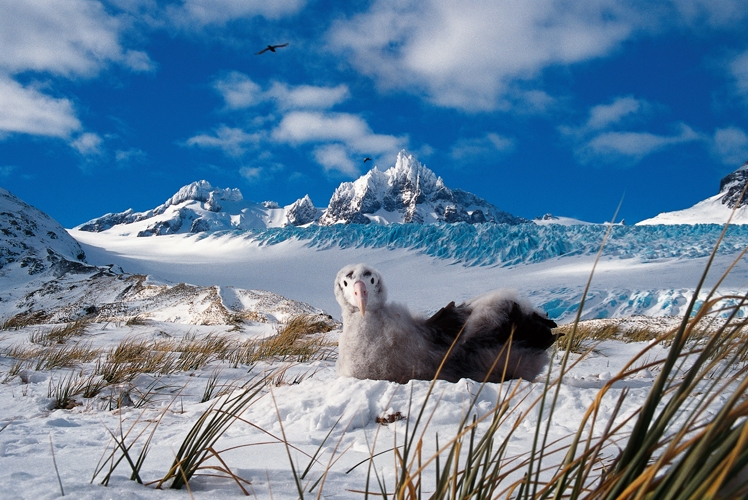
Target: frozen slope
pixel 716 209
pixel 643 270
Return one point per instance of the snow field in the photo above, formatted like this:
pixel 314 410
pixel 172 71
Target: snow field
pixel 305 404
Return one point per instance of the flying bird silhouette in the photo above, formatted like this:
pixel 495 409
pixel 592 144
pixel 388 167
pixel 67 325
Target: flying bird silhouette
pixel 271 48
pixel 492 337
pixel 367 159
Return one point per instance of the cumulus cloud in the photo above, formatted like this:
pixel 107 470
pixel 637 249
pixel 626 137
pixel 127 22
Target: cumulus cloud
pixel 27 110
pixel 474 54
pixel 481 147
pixel 299 115
pixel 197 14
pixel 730 145
pixel 481 55
pixel 64 37
pixel 232 141
pixel 251 174
pixel 620 111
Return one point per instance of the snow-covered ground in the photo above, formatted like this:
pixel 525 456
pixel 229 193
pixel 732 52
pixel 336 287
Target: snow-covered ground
pixel 642 273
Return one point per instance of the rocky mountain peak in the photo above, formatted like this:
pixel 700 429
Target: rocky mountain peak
pixel 202 191
pixel 302 212
pixel 731 187
pixel 408 192
pixel 34 242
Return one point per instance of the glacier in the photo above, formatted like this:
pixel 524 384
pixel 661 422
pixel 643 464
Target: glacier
pixel 506 245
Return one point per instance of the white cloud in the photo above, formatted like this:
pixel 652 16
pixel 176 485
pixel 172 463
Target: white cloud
pixel 29 111
pixel 472 54
pixel 305 119
pixel 132 155
pixel 138 61
pixel 199 13
pixel 299 127
pixel 336 158
pixel 730 145
pixel 64 37
pixel 88 144
pixel 308 96
pixel 482 147
pixel 232 141
pixel 480 55
pixel 251 174
pixel 710 13
pixel 614 146
pixel 739 70
pixel 604 115
pixel 239 92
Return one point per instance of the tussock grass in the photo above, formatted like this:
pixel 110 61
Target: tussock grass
pixel 64 391
pixel 60 334
pixel 22 320
pixel 199 445
pixel 296 341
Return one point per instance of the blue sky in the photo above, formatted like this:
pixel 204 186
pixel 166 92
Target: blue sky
pixel 537 106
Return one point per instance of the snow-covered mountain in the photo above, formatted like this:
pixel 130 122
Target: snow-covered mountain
pixel 31 242
pixel 199 207
pixel 408 192
pixel 715 209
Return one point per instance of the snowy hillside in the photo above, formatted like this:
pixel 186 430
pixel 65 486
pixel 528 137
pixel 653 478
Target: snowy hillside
pixel 408 192
pixel 44 279
pixel 199 207
pixel 715 209
pixel 31 242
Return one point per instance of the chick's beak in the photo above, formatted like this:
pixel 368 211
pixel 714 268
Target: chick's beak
pixel 362 296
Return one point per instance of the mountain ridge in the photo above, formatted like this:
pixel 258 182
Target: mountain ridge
pixel 408 192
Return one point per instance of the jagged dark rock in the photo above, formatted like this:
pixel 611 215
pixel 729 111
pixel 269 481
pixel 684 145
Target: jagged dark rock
pixel 32 240
pixel 302 212
pixel 732 185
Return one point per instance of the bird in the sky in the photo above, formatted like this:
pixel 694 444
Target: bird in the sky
pixel 367 159
pixel 496 336
pixel 271 48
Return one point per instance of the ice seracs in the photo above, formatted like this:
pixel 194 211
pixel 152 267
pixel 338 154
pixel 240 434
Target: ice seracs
pixel 496 336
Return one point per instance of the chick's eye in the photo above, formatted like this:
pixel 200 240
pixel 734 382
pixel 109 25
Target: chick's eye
pixel 372 281
pixel 345 283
